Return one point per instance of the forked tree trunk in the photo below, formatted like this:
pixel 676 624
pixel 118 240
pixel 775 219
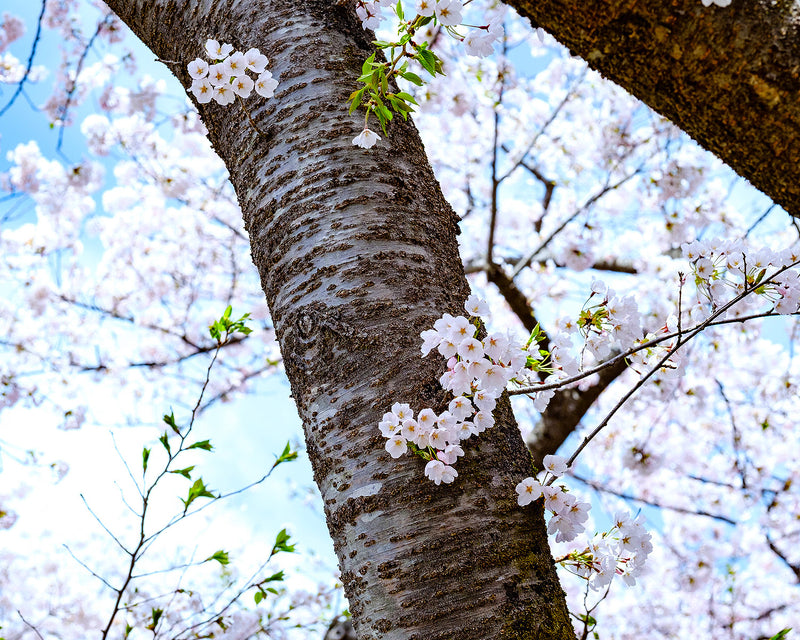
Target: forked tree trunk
pixel 357 254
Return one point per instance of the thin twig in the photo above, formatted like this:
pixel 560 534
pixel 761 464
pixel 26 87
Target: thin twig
pixel 29 66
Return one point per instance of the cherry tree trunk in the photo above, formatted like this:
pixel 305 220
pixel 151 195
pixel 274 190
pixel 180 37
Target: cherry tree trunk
pixel 728 76
pixel 357 255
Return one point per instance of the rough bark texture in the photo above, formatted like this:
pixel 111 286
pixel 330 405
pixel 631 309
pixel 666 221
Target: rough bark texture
pixel 729 77
pixel 357 254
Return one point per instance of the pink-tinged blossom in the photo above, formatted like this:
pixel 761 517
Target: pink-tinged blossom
pixel 366 139
pixel 223 94
pixel 266 85
pixel 396 446
pixel 426 7
pixel 470 350
pixel 235 64
pixel 218 76
pixel 426 419
pixel 255 61
pixel 430 340
pixel 203 90
pixel 495 345
pixel 448 12
pixel 528 490
pixel 483 420
pixel 402 411
pixel 476 306
pixel 217 51
pixel 461 408
pixel 198 68
pixel 242 86
pixel 439 472
pixel 484 400
pixel 555 465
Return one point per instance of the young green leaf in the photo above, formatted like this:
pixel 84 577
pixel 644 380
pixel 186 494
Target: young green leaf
pixel 145 458
pixel 186 473
pixel 286 456
pixel 170 421
pixel 164 440
pixel 220 556
pixel 281 541
pixel 205 445
pixel 156 615
pixel 197 490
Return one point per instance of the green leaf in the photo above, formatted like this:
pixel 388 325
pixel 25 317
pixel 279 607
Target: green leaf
pixel 205 445
pixel 156 614
pixel 275 577
pixel 427 60
pixel 197 490
pixel 145 458
pixel 164 440
pixel 186 473
pixel 220 556
pixel 399 9
pixel 281 541
pixel 355 99
pixel 170 421
pixel 781 634
pixel 367 66
pixel 406 96
pixel 286 456
pixel 412 77
pixel 259 596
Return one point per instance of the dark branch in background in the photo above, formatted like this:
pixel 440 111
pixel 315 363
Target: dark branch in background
pixel 64 110
pixel 495 180
pixel 29 65
pixel 525 261
pixel 741 468
pixel 565 412
pixel 515 299
pixel 693 512
pixel 795 568
pixel 732 86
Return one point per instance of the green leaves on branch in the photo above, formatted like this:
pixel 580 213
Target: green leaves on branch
pixel 286 456
pixel 219 556
pixel 197 490
pixel 281 543
pixel 221 330
pixel 262 590
pixel 375 96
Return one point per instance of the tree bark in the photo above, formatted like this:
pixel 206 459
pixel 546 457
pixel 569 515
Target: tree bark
pixel 729 77
pixel 357 255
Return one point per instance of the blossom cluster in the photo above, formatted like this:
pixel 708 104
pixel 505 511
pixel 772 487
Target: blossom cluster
pixel 723 269
pixel 227 76
pixel 477 373
pixel 568 514
pixel 622 551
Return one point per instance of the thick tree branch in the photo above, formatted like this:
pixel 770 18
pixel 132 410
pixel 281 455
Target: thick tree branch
pixel 729 76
